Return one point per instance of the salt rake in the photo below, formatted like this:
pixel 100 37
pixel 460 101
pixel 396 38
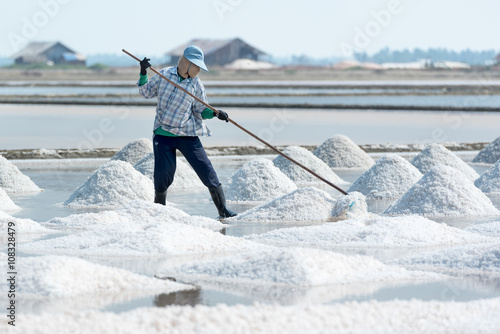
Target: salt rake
pixel 242 128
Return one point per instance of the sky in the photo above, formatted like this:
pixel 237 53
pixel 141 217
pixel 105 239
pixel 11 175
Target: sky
pixel 316 28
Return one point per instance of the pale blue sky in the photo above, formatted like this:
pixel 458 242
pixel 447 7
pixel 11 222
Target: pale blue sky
pixel 314 27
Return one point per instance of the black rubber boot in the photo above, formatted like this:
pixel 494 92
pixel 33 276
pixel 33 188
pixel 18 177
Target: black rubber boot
pixel 161 197
pixel 220 202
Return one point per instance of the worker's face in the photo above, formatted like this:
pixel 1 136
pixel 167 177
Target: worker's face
pixel 193 70
pixel 187 69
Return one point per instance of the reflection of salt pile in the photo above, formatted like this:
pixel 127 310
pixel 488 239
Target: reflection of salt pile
pixel 134 151
pixel 443 191
pixel 12 180
pixel 6 203
pixel 306 158
pixel 390 177
pixel 185 177
pixel 53 276
pixel 306 204
pixel 489 182
pixel 436 154
pixel 258 180
pixel 490 154
pixel 385 232
pixel 113 184
pixel 340 151
pixel 296 266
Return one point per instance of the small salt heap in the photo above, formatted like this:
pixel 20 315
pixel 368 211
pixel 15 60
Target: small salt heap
pixel 6 203
pixel 489 182
pixel 340 151
pixel 390 177
pixel 490 154
pixel 306 158
pixel 185 177
pixel 134 151
pixel 12 180
pixel 436 154
pixel 112 185
pixel 258 180
pixel 443 191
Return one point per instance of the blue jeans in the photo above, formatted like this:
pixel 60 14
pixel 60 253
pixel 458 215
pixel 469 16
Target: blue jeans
pixel 164 149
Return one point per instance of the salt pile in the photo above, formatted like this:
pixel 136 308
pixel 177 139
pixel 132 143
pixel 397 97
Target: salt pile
pixel 134 151
pixel 21 225
pixel 490 154
pixel 258 180
pixel 340 151
pixel 305 204
pixel 394 316
pixel 112 185
pixel 383 232
pixel 390 177
pixel 69 277
pixel 481 260
pixel 489 182
pixel 6 203
pixel 306 158
pixel 295 266
pixel 490 229
pixel 436 154
pixel 185 177
pixel 133 216
pixel 12 180
pixel 156 239
pixel 443 191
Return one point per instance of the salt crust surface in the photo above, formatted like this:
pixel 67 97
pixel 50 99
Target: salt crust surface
pixel 376 231
pixel 12 180
pixel 185 177
pixel 296 266
pixel 492 229
pixel 397 316
pixel 258 180
pixel 6 204
pixel 134 151
pixel 436 154
pixel 340 151
pixel 490 154
pixel 112 185
pixel 309 160
pixel 21 225
pixel 443 191
pixel 489 182
pixel 65 277
pixel 390 177
pixel 481 260
pixel 306 204
pixel 133 216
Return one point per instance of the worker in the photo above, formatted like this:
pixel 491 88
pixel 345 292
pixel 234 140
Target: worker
pixel 179 122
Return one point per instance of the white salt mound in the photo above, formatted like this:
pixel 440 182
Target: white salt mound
pixel 306 204
pixel 306 158
pixel 12 180
pixel 489 182
pixel 377 231
pixel 390 177
pixel 63 277
pixel 134 151
pixel 258 180
pixel 21 225
pixel 112 185
pixel 490 154
pixel 443 191
pixel 436 154
pixel 490 229
pixel 340 151
pixel 6 204
pixel 185 177
pixel 297 267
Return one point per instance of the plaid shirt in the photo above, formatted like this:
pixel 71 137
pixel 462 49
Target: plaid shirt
pixel 177 112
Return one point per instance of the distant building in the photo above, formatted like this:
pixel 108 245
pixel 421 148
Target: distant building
pixel 498 59
pixel 48 52
pixel 219 52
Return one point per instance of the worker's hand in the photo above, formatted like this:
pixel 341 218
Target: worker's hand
pixel 222 115
pixel 145 65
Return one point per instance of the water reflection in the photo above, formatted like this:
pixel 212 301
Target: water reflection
pixel 181 298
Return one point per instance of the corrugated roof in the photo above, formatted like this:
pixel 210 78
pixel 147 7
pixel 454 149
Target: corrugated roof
pixel 36 48
pixel 207 45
